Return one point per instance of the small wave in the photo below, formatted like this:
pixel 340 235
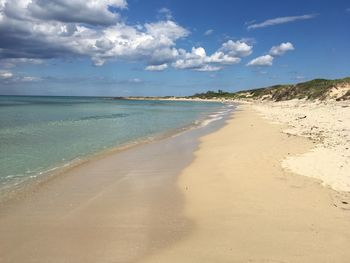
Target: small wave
pixel 216 114
pixel 215 117
pixel 10 176
pixel 208 121
pixel 16 179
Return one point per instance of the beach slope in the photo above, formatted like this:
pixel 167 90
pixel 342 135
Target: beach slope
pixel 246 208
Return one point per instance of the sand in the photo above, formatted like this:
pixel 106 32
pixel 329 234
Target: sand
pixel 247 208
pixel 233 203
pixel 117 208
pixel 327 123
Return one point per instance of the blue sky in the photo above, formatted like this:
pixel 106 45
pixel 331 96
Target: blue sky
pixel 134 47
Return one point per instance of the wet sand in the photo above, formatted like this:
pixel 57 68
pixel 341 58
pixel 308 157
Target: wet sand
pixel 246 208
pixel 118 208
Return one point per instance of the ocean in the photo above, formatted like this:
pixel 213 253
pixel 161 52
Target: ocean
pixel 41 134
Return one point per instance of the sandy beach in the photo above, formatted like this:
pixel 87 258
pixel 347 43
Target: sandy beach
pixel 247 208
pixel 228 200
pixel 117 208
pixel 174 131
pixel 327 123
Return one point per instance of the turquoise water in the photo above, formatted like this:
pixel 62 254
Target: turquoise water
pixel 38 134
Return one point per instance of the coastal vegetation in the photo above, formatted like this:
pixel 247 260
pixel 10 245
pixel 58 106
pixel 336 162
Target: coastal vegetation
pixel 321 89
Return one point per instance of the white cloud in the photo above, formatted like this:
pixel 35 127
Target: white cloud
pixel 50 36
pixel 280 20
pixel 237 48
pixel 208 32
pixel 281 49
pixel 166 29
pixel 157 67
pixel 9 77
pixel 130 43
pixel 191 60
pixel 35 30
pixel 6 74
pixel 222 58
pixel 228 54
pixel 265 60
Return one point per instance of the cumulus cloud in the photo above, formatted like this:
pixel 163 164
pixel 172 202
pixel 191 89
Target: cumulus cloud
pixel 157 67
pixel 280 20
pixel 34 30
pixel 191 60
pixel 222 58
pixel 83 11
pixel 237 48
pixel 166 31
pixel 265 60
pixel 228 54
pixel 281 49
pixel 163 56
pixel 129 43
pixel 28 36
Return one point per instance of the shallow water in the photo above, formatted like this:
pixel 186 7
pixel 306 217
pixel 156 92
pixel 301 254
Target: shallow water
pixel 119 208
pixel 39 134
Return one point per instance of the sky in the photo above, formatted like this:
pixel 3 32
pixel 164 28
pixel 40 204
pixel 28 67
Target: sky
pixel 159 48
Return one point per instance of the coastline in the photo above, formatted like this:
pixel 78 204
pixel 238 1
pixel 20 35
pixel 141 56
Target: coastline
pixel 119 206
pixel 174 131
pixel 247 208
pixel 173 98
pixel 22 188
pixel 325 122
pixel 227 200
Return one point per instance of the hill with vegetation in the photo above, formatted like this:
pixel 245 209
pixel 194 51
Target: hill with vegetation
pixel 321 89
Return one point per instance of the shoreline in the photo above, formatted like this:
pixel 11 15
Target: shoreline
pixel 177 99
pixel 218 194
pixel 247 208
pixel 121 207
pixel 26 186
pixel 325 122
